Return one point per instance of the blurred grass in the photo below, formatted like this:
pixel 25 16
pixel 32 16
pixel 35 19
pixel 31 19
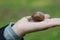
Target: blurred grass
pixel 13 10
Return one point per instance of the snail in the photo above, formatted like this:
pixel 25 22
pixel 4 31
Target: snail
pixel 37 17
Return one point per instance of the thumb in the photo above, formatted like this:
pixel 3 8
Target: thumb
pixel 47 16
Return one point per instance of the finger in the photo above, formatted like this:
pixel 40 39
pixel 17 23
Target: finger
pixel 47 16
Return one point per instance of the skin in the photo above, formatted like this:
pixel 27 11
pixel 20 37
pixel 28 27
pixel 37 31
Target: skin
pixel 23 26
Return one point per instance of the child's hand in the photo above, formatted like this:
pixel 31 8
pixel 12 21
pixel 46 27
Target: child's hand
pixel 23 26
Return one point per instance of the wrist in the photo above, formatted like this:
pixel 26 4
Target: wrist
pixel 17 30
pixel 9 33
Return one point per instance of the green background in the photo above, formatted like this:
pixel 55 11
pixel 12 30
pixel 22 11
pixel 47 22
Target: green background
pixel 13 10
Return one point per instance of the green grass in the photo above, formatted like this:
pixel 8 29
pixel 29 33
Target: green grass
pixel 13 10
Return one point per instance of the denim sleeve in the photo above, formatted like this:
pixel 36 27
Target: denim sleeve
pixel 9 34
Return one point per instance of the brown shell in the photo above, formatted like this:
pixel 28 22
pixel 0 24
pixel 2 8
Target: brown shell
pixel 38 16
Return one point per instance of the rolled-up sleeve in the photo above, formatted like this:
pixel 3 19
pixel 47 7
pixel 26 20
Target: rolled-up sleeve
pixel 9 34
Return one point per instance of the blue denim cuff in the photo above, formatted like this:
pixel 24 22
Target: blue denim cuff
pixel 9 34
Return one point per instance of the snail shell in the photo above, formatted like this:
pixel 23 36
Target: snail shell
pixel 37 17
